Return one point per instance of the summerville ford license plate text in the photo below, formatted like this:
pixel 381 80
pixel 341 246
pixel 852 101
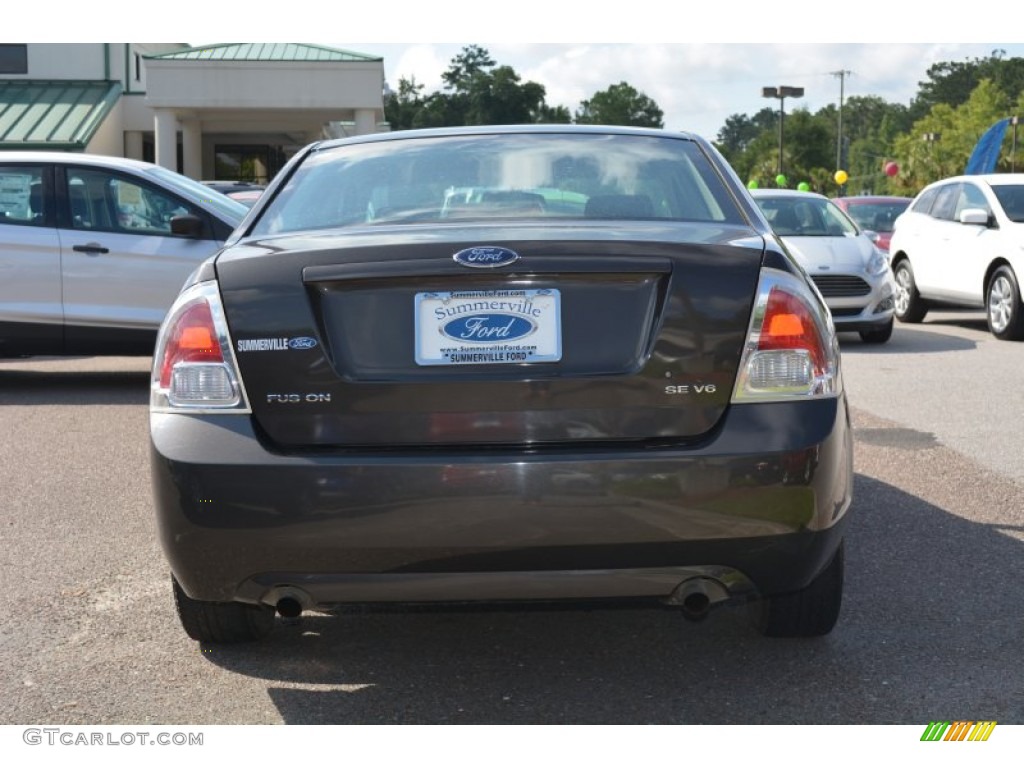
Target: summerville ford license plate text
pixel 466 327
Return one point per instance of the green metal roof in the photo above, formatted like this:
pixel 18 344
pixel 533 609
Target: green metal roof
pixel 53 114
pixel 265 52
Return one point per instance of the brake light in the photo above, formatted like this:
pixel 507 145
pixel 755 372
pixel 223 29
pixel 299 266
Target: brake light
pixel 791 350
pixel 193 366
pixel 190 339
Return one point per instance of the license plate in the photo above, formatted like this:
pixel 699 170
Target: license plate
pixel 488 327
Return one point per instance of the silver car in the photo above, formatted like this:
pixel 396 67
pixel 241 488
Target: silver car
pixel 850 271
pixel 94 249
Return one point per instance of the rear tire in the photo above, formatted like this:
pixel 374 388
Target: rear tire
pixel 810 612
pixel 877 335
pixel 1002 306
pixel 222 622
pixel 910 308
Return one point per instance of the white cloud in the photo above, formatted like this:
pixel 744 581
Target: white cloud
pixel 699 85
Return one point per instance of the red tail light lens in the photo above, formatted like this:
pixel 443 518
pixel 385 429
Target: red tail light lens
pixel 791 350
pixel 193 366
pixel 790 325
pixel 191 339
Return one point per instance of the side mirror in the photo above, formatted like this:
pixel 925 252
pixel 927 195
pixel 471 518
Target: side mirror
pixel 871 235
pixel 974 216
pixel 187 225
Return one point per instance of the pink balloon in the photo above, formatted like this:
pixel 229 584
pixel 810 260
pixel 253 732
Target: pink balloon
pixel 891 168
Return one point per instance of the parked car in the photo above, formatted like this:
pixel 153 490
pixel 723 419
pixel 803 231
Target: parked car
pixel 960 244
pixel 590 372
pixel 231 187
pixel 244 192
pixel 876 215
pixel 850 271
pixel 93 250
pixel 246 197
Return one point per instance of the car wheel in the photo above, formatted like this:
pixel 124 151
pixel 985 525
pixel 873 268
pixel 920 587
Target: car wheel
pixel 222 622
pixel 909 306
pixel 1003 307
pixel 812 611
pixel 877 335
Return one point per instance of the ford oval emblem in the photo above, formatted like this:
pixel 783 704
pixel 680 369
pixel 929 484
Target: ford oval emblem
pixel 494 327
pixel 486 256
pixel 302 342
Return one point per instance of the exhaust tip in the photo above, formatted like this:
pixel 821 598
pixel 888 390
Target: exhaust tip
pixel 289 608
pixel 696 606
pixel 697 596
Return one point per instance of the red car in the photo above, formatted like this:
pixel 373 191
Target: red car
pixel 875 214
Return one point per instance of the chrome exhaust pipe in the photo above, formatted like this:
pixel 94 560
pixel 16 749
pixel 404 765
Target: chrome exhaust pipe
pixel 696 596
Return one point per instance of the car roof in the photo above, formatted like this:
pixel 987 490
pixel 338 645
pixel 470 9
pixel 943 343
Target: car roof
pixel 993 179
pixel 479 130
pixel 868 199
pixel 785 193
pixel 52 156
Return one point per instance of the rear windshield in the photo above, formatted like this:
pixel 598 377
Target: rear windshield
pixel 511 176
pixel 877 216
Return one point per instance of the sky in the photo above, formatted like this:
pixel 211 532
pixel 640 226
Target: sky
pixel 697 85
pixel 701 62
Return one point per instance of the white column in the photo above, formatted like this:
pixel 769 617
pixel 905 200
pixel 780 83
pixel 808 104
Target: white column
pixel 192 148
pixel 165 129
pixel 133 144
pixel 366 121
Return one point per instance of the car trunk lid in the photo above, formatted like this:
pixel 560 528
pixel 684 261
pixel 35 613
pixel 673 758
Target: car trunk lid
pixel 596 334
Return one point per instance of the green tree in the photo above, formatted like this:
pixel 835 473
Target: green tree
pixel 957 129
pixel 740 130
pixel 471 62
pixel 549 114
pixel 870 126
pixel 953 82
pixel 620 104
pixel 402 107
pixel 476 92
pixel 498 97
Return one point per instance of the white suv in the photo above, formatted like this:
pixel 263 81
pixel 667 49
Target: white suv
pixel 94 249
pixel 961 243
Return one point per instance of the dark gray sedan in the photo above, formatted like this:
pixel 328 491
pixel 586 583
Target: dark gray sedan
pixel 536 363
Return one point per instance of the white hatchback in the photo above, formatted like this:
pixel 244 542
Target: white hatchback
pixel 961 243
pixel 850 271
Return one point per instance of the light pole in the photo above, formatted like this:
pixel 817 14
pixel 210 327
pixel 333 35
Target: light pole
pixel 780 92
pixel 930 139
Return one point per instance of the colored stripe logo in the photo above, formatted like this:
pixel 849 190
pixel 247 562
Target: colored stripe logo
pixel 958 730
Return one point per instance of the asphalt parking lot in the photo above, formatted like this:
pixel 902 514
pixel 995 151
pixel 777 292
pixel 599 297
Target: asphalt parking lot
pixel 932 624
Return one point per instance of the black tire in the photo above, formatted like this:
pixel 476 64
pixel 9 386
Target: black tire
pixel 222 622
pixel 1002 306
pixel 910 308
pixel 812 611
pixel 878 335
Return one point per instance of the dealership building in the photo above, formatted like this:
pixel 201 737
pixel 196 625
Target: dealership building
pixel 227 111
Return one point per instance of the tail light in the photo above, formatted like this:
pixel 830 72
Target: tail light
pixel 791 350
pixel 194 368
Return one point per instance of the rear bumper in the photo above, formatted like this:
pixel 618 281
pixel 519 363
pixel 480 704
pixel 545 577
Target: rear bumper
pixel 759 505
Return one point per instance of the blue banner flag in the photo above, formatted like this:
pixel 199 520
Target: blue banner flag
pixel 986 151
